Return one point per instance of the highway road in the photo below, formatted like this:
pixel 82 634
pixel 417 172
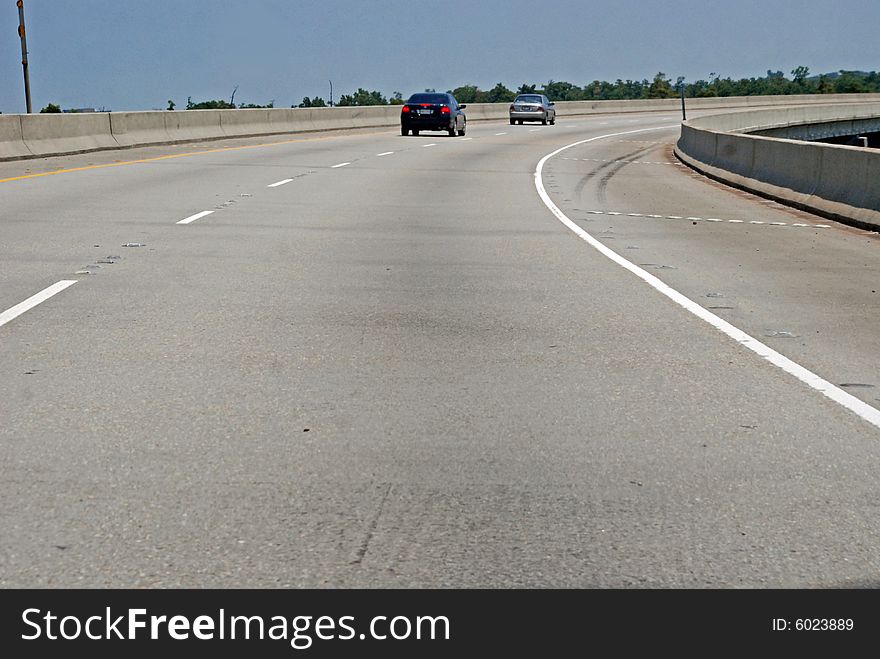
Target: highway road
pixel 357 359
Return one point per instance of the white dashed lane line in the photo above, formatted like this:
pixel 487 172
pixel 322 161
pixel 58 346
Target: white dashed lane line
pixel 34 300
pixel 343 164
pixel 710 219
pixel 197 216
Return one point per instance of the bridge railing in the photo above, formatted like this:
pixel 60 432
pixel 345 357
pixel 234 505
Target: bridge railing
pixel 835 181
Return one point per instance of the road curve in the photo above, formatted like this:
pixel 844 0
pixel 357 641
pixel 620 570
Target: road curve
pixel 365 360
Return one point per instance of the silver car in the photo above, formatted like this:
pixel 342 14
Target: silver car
pixel 532 107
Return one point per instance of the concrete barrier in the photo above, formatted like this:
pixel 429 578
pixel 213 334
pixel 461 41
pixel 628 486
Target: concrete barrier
pixel 834 181
pixel 61 134
pixel 12 146
pixel 789 169
pixel 486 111
pixel 376 116
pixel 138 128
pixel 849 181
pixel 242 123
pixel 286 120
pixel 56 134
pixel 193 125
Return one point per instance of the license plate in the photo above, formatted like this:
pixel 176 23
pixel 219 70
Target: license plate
pixel 426 112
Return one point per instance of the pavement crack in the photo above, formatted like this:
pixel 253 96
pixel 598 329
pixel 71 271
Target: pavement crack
pixel 371 529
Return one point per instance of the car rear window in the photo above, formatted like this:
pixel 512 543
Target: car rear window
pixel 428 98
pixel 528 99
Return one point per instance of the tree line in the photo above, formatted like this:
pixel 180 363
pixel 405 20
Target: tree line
pixel 662 86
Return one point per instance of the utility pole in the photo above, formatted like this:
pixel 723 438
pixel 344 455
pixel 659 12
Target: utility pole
pixel 331 92
pixel 24 54
pixel 683 110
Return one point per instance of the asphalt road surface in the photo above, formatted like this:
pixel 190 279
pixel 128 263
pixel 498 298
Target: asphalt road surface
pixel 386 361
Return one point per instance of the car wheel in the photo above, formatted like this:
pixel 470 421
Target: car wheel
pixel 404 131
pixel 553 120
pixel 462 131
pixel 415 132
pixel 512 122
pixel 544 120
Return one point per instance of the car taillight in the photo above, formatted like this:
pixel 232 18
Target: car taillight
pixel 405 109
pixel 444 109
pixel 513 108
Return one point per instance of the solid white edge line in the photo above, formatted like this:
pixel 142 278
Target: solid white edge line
pixel 34 300
pixel 280 183
pixel 827 389
pixel 342 164
pixel 197 216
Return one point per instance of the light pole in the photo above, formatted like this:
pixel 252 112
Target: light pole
pixel 24 54
pixel 683 110
pixel 331 92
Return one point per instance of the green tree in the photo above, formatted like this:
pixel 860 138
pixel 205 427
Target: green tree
pixel 562 91
pixel 466 94
pixel 51 109
pixel 701 89
pixel 527 89
pixel 597 90
pixel 316 102
pixel 362 97
pixel 850 82
pixel 800 75
pixel 661 87
pixel 208 105
pixel 396 99
pixel 824 86
pixel 629 89
pixel 499 94
pixel 171 104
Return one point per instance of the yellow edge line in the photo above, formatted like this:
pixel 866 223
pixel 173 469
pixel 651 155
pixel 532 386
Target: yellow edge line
pixel 168 157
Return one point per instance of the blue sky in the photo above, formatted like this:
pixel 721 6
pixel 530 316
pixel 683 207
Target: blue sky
pixel 123 55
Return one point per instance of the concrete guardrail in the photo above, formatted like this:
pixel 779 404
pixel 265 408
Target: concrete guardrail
pixel 48 134
pixel 12 146
pixel 41 135
pixel 839 182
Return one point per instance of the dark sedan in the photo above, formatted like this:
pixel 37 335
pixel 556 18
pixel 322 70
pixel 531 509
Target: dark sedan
pixel 432 111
